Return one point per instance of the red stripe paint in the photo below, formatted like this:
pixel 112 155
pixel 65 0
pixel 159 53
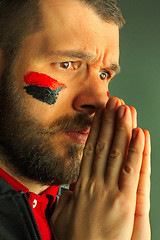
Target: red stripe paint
pixel 42 80
pixel 108 94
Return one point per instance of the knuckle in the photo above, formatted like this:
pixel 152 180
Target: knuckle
pixel 108 119
pixel 92 187
pixel 128 170
pixel 100 147
pixel 98 159
pixel 115 153
pixel 134 150
pixel 95 188
pixel 88 149
pixel 145 172
pixel 123 127
pixel 117 202
pixel 146 154
pixel 121 204
pixel 141 193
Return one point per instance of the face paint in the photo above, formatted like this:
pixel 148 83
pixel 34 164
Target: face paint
pixel 43 87
pixel 108 94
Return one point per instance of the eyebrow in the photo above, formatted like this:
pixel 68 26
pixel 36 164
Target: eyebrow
pixel 83 56
pixel 73 54
pixel 115 68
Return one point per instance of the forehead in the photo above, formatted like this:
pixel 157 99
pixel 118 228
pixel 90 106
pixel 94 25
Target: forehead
pixel 72 25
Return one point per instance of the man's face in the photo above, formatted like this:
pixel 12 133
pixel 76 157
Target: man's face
pixel 58 80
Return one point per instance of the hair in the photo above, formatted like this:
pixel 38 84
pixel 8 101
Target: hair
pixel 108 10
pixel 20 18
pixel 17 19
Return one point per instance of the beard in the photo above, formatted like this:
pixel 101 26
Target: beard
pixel 26 145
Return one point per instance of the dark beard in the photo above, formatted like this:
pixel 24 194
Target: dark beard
pixel 26 144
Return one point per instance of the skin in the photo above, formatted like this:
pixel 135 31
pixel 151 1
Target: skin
pixel 111 196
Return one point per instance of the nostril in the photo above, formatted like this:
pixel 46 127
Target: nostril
pixel 89 101
pixel 88 107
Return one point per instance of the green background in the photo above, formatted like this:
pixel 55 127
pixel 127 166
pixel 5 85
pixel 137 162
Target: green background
pixel 139 81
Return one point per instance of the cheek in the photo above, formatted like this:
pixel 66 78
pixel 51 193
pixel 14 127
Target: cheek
pixel 43 87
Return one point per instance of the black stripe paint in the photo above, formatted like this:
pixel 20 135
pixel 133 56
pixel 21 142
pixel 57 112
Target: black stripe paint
pixel 43 94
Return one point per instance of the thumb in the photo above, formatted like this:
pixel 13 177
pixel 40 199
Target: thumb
pixel 63 200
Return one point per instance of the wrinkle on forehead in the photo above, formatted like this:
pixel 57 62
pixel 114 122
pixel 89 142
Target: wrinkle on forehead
pixel 73 26
pixel 71 14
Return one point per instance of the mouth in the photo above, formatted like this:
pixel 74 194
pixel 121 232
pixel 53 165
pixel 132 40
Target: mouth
pixel 79 136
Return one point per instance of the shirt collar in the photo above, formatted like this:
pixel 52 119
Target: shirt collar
pixel 17 186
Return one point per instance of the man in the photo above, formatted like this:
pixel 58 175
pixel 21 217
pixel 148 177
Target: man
pixel 57 125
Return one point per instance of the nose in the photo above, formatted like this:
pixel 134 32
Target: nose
pixel 92 95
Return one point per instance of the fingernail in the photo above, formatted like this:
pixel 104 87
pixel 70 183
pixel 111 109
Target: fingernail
pixel 134 133
pixel 121 111
pixel 111 103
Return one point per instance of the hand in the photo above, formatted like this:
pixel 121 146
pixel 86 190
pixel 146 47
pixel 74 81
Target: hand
pixel 102 205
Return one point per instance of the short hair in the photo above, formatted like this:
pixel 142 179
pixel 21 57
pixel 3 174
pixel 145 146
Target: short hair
pixel 19 18
pixel 108 10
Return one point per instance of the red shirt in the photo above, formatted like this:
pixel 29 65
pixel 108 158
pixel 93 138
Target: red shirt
pixel 41 204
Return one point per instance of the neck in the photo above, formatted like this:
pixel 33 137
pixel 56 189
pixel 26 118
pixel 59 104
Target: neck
pixel 31 185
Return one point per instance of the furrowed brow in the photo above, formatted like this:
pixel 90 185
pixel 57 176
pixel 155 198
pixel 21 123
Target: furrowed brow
pixel 82 56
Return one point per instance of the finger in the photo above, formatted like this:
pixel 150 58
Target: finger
pixel 134 117
pixel 64 199
pixel 131 170
pixel 143 191
pixel 105 138
pixel 142 228
pixel 120 144
pixel 88 153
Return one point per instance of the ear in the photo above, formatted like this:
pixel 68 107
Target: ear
pixel 2 62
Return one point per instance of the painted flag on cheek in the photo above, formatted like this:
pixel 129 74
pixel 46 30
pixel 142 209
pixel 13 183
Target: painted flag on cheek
pixel 43 87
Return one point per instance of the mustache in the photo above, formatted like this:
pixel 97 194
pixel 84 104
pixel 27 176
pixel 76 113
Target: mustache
pixel 71 123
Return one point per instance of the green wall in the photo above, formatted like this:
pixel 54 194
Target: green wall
pixel 139 81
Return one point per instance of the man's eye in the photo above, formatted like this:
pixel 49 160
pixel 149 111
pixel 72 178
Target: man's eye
pixel 70 65
pixel 65 65
pixel 104 75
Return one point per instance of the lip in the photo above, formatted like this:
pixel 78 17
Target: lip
pixel 79 136
pixel 84 130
